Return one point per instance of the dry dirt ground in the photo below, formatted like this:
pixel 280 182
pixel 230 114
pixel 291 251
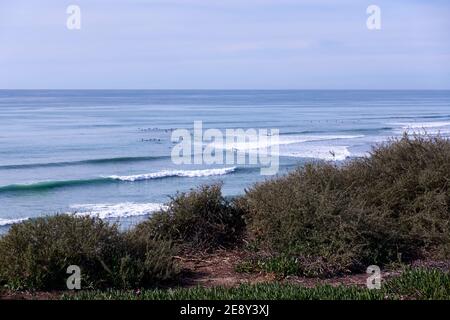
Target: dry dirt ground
pixel 218 269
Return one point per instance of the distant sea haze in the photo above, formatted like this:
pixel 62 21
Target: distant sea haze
pixel 106 153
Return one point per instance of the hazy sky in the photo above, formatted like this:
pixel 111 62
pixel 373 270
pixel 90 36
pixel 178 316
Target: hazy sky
pixel 226 44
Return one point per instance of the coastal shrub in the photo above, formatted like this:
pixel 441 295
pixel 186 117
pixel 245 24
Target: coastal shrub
pixel 146 262
pixel 35 254
pixel 200 219
pixel 390 206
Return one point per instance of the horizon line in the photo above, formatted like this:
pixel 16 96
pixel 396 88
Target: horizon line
pixel 209 89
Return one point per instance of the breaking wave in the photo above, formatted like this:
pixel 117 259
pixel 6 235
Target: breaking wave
pixel 45 185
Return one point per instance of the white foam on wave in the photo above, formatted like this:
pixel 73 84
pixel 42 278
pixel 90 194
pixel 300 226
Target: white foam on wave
pixel 254 143
pixel 331 153
pixel 422 125
pixel 175 173
pixel 119 210
pixel 7 222
pixel 433 128
pixel 103 211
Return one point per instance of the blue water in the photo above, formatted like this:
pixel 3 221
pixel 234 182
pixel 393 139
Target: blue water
pixel 74 151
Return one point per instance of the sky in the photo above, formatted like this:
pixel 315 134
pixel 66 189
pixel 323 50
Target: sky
pixel 226 44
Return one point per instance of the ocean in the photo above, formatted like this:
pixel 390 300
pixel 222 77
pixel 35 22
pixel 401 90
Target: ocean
pixel 107 153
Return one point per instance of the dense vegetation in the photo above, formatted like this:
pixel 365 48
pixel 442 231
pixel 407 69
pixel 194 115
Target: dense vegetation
pixel 412 284
pixel 35 255
pixel 322 219
pixel 201 220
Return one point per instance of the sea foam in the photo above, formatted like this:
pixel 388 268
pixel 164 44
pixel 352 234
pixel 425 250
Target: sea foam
pixel 255 143
pixel 334 153
pixel 119 210
pixel 7 222
pixel 174 173
pixel 103 211
pixel 436 127
pixel 420 125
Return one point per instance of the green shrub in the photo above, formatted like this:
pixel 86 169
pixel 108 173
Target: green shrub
pixel 35 255
pixel 200 219
pixel 391 206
